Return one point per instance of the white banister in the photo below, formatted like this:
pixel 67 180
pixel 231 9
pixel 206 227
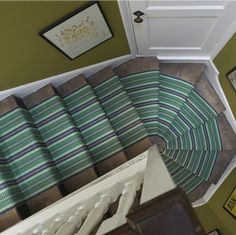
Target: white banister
pixel 73 223
pixel 63 217
pixel 125 203
pixel 157 179
pixel 95 215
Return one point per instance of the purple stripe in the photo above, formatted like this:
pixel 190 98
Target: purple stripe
pixel 95 121
pixel 15 131
pixel 192 136
pixel 62 135
pixel 112 95
pixel 25 151
pixel 7 184
pixel 35 171
pixel 146 103
pixel 71 154
pixel 169 107
pixel 51 118
pixel 196 111
pixel 167 124
pixel 142 87
pixel 103 139
pixel 185 121
pixel 116 113
pixel 207 137
pixel 126 128
pixel 145 120
pixel 174 92
pixel 85 105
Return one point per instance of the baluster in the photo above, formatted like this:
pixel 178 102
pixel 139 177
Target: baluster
pixel 57 223
pixel 47 232
pixel 73 223
pixel 95 215
pixel 125 203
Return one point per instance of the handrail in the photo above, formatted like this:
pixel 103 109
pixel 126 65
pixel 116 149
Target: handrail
pixel 68 211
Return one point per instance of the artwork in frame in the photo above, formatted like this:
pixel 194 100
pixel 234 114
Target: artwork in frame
pixel 230 204
pixel 232 77
pixel 214 232
pixel 79 31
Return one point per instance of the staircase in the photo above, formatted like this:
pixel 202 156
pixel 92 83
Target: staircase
pixel 58 139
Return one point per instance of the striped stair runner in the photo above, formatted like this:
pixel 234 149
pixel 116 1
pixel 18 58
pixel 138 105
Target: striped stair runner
pixel 93 124
pixel 57 140
pixel 120 111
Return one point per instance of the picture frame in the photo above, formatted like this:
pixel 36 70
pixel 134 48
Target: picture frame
pixel 79 31
pixel 232 77
pixel 214 232
pixel 230 204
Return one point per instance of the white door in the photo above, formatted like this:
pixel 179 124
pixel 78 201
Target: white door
pixel 181 28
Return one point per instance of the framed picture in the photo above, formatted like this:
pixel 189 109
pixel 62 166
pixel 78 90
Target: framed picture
pixel 79 31
pixel 230 204
pixel 232 77
pixel 214 232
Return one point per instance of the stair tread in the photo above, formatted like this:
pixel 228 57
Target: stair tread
pixel 118 107
pixel 205 136
pixel 184 178
pixel 21 143
pixel 189 72
pixel 92 122
pixel 136 65
pixel 205 89
pixel 200 163
pixel 142 88
pixel 173 93
pixel 58 132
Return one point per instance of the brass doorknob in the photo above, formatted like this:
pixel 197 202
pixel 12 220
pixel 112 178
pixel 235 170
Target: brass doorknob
pixel 138 19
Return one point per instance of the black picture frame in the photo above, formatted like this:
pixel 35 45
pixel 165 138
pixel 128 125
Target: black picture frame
pixel 66 19
pixel 226 207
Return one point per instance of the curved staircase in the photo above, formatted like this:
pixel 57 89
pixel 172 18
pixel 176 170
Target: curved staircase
pixel 58 139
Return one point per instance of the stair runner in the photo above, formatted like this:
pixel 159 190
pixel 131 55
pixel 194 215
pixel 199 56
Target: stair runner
pixel 62 138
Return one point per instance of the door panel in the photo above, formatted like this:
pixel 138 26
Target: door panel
pixel 180 28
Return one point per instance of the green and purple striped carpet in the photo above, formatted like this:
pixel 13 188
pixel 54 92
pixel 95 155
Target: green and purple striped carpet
pixel 60 137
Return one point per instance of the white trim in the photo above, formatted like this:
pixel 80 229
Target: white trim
pixel 181 8
pixel 128 25
pixel 214 187
pixel 212 74
pixel 174 48
pixel 57 80
pixel 185 58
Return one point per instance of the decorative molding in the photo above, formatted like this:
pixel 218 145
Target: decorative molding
pixel 57 80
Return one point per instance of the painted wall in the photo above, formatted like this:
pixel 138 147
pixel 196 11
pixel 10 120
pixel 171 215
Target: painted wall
pixel 226 61
pixel 26 57
pixel 213 215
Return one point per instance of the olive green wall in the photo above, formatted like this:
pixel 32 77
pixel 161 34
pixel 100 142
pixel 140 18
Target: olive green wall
pixel 213 215
pixel 226 61
pixel 26 57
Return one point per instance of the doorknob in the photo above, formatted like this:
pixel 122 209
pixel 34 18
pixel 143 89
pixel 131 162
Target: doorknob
pixel 138 19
